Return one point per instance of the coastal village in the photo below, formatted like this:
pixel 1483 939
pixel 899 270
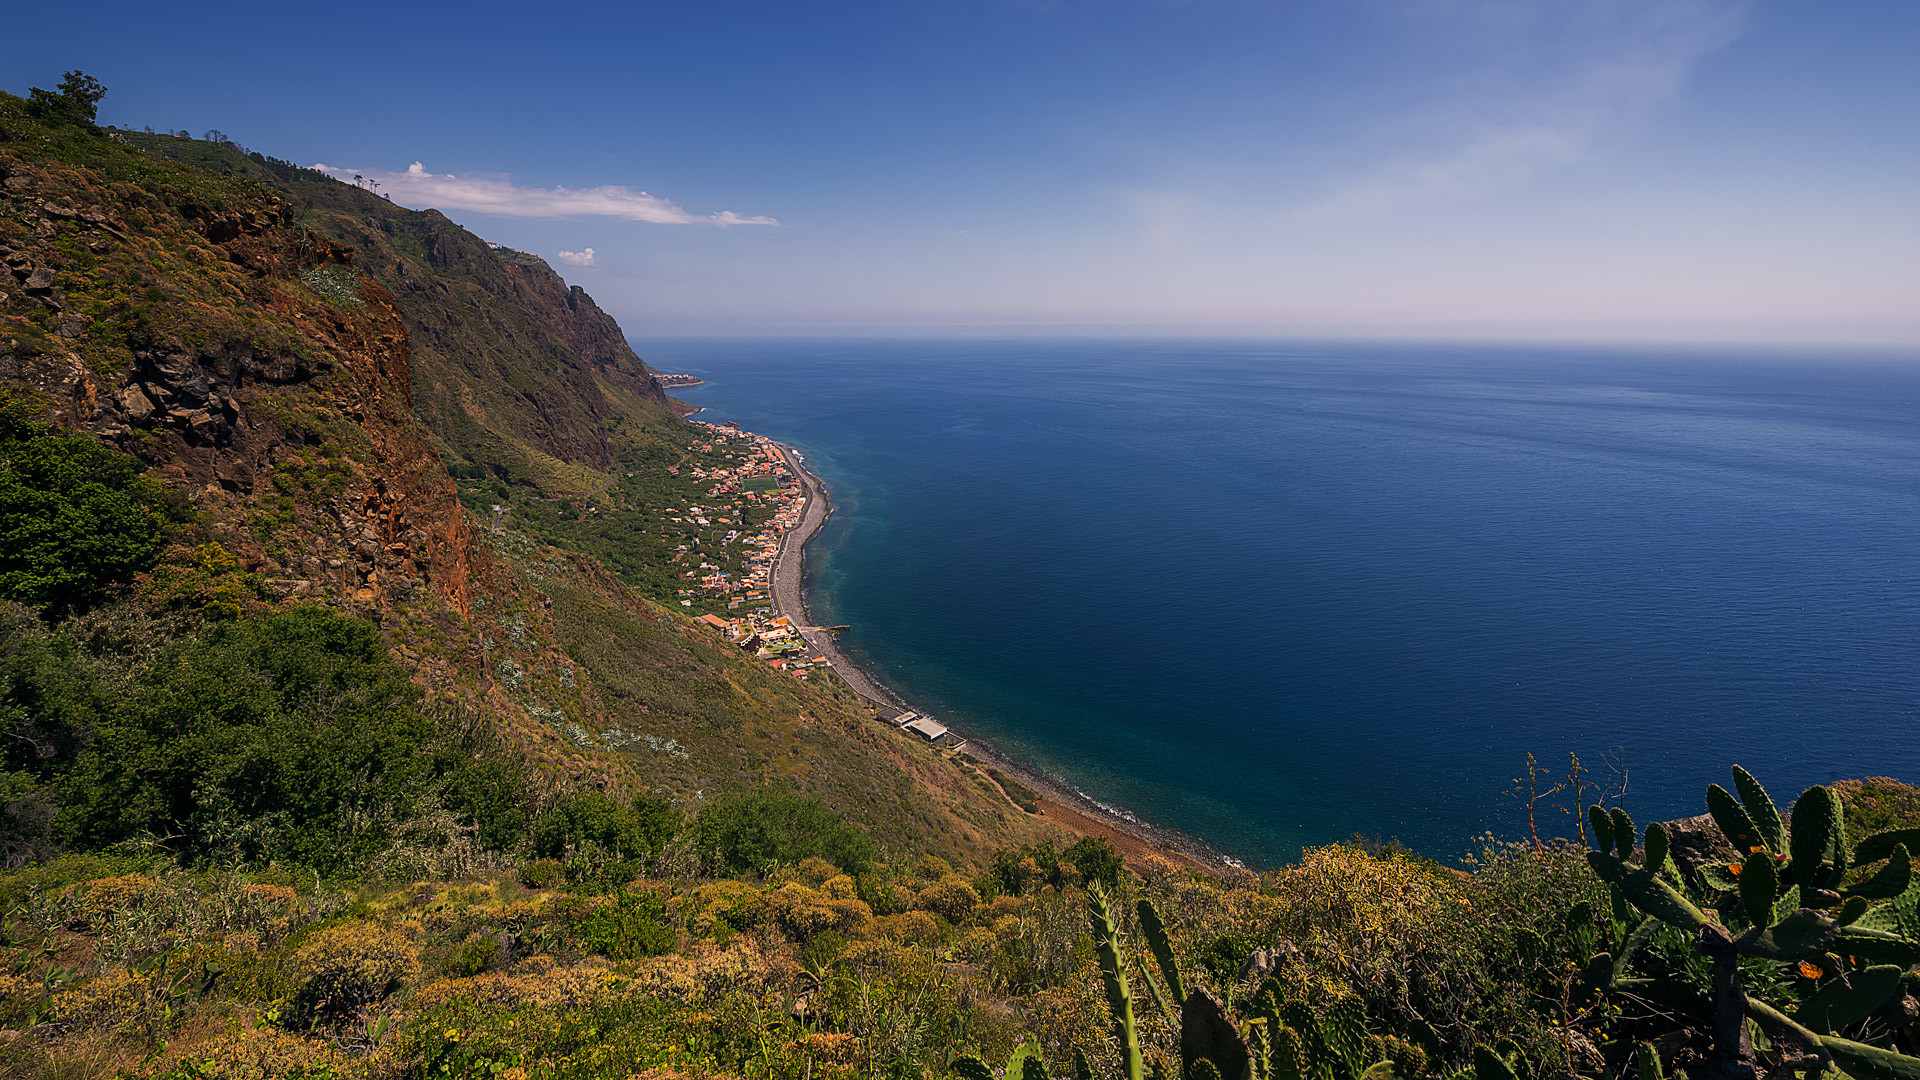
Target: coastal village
pixel 762 476
pixel 755 477
pixel 702 526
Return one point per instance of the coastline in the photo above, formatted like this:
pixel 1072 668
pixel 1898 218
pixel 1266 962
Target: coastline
pixel 1061 804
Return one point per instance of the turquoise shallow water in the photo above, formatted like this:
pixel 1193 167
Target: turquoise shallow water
pixel 1280 594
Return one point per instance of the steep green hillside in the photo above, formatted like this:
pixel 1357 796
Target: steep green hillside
pixel 296 374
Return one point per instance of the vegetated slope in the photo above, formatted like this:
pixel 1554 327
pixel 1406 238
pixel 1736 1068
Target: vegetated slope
pixel 263 367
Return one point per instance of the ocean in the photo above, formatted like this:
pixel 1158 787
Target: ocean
pixel 1281 594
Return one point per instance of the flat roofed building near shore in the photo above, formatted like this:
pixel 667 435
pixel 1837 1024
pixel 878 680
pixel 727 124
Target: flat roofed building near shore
pixel 926 729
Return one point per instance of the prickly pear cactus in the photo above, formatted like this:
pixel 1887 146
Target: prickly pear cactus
pixel 1841 926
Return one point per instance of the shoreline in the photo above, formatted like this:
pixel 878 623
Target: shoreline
pixel 1062 804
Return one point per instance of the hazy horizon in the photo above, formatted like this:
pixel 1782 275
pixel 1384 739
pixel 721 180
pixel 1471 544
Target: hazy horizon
pixel 1899 349
pixel 1674 171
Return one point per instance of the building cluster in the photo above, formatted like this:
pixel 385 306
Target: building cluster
pixel 758 477
pixel 771 638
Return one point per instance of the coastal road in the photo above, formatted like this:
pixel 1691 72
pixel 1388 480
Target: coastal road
pixel 788 570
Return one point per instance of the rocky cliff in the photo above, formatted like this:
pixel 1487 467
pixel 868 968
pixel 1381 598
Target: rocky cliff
pixel 188 323
pixel 515 371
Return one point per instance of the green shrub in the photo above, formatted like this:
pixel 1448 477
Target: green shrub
pixel 1096 860
pixel 754 831
pixel 476 954
pixel 819 952
pixel 543 874
pixel 1017 870
pixel 631 927
pixel 291 738
pixel 1224 956
pixel 594 825
pixel 76 518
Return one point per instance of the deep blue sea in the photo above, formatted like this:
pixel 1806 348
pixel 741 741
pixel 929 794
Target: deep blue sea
pixel 1279 594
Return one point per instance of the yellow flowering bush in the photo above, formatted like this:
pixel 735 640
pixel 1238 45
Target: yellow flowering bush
pixel 273 897
pixel 18 994
pixel 91 903
pixel 815 871
pixel 342 968
pixel 802 912
pixel 712 972
pixel 263 1053
pixel 722 905
pixel 116 1000
pixel 912 927
pixel 537 982
pixel 952 896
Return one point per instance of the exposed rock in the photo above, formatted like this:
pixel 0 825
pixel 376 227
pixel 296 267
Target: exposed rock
pixel 135 404
pixel 1698 840
pixel 40 280
pixel 1265 962
pixel 194 386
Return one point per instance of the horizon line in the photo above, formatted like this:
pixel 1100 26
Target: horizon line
pixel 923 332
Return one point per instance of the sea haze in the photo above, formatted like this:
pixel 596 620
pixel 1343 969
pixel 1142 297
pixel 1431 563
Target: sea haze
pixel 1277 595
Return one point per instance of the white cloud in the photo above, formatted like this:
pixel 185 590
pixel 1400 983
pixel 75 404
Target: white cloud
pixel 499 196
pixel 1505 138
pixel 583 257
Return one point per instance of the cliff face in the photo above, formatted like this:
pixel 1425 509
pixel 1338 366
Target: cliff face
pixel 192 326
pixel 514 372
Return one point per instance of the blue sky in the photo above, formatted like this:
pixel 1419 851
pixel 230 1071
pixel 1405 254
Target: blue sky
pixel 1702 170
